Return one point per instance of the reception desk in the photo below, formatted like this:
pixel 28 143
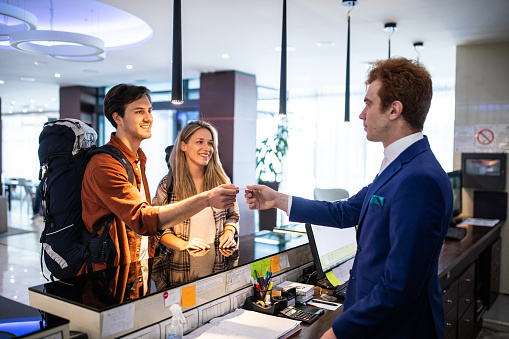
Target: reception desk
pixel 113 303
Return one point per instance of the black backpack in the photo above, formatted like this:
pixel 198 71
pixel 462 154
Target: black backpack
pixel 65 147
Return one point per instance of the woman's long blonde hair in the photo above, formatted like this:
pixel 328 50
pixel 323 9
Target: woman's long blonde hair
pixel 182 181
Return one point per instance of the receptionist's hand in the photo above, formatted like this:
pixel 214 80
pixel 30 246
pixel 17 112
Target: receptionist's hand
pixel 197 244
pixel 227 240
pixel 329 334
pixel 261 197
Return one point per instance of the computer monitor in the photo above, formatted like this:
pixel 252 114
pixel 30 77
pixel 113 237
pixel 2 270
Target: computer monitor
pixel 455 179
pixel 331 247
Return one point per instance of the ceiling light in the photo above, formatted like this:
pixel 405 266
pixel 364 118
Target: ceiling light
pixel 27 79
pixel 2 82
pixel 347 78
pixel 129 66
pixel 88 58
pixel 176 76
pixel 57 75
pixel 390 27
pixel 57 43
pixel 325 44
pixel 225 55
pixel 24 20
pixel 418 45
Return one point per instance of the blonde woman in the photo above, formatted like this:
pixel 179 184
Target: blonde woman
pixel 194 168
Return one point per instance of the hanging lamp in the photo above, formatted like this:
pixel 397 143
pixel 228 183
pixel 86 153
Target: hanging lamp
pixel 351 4
pixel 23 20
pixel 282 77
pixel 176 78
pixel 390 27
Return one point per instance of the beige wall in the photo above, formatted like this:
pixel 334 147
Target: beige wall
pixel 482 97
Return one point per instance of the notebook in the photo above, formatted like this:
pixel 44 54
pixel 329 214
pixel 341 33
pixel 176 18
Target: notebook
pixel 245 324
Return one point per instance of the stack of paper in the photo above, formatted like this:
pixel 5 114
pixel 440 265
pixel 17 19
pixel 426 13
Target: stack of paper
pixel 244 324
pixel 304 292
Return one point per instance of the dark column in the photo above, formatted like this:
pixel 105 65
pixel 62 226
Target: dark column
pixel 1 168
pixel 228 101
pixel 78 102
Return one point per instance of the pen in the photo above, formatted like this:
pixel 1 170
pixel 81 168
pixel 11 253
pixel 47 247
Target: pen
pixel 324 302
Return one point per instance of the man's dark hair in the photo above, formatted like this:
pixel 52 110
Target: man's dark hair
pixel 119 97
pixel 407 81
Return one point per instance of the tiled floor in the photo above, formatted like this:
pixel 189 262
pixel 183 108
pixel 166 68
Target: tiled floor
pixel 20 268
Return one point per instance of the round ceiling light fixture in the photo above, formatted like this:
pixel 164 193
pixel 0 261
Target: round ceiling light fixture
pixel 88 58
pixel 22 20
pixel 57 43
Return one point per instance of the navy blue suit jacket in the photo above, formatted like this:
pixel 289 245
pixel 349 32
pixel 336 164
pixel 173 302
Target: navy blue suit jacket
pixel 403 216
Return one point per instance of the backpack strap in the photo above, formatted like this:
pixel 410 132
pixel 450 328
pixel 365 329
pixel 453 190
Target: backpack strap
pixel 117 155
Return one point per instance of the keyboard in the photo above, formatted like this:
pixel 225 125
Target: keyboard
pixel 340 290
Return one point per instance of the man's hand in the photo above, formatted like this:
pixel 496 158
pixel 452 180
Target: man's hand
pixel 261 197
pixel 222 197
pixel 329 334
pixel 197 244
pixel 227 240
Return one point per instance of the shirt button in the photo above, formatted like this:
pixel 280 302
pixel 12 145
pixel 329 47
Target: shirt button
pixel 137 250
pixel 358 248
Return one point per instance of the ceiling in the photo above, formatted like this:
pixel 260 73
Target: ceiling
pixel 249 32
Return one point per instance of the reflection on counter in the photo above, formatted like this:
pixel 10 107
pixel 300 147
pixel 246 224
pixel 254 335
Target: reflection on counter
pixel 179 267
pixel 105 289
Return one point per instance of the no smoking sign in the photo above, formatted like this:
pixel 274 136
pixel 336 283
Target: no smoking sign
pixel 485 137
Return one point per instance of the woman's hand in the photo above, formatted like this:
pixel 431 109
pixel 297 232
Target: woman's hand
pixel 198 253
pixel 227 240
pixel 197 244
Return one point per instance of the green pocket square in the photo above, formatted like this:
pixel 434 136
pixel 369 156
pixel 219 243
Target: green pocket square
pixel 375 199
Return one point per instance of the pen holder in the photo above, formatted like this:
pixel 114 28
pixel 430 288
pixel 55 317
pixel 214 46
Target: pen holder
pixel 254 304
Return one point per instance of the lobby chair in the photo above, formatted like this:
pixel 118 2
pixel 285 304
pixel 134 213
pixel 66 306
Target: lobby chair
pixel 331 194
pixel 28 194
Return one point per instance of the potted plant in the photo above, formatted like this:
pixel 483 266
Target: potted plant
pixel 269 167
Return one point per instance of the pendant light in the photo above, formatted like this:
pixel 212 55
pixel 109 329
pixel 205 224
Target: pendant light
pixel 348 3
pixel 390 27
pixel 282 78
pixel 176 78
pixel 23 20
pixel 418 45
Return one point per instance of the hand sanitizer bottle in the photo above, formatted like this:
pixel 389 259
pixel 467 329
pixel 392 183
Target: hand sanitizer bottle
pixel 176 330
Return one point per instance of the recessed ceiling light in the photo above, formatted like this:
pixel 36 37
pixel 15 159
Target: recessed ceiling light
pixel 288 48
pixel 325 44
pixel 40 109
pixel 37 63
pixel 53 99
pixel 32 101
pixel 225 55
pixel 57 75
pixel 27 79
pixel 46 105
pixel 25 110
pixel 2 82
pixel 129 66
